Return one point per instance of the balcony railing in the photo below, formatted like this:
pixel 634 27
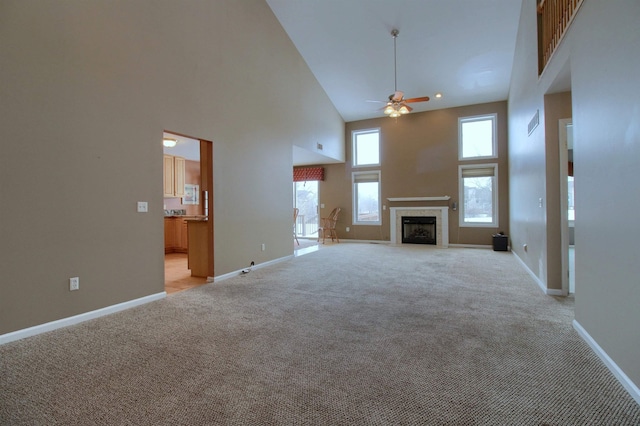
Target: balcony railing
pixel 554 17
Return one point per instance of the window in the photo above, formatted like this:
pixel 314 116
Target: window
pixel 479 195
pixel 366 147
pixel 366 198
pixel 477 137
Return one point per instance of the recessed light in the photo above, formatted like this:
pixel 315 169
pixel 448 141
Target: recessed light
pixel 438 95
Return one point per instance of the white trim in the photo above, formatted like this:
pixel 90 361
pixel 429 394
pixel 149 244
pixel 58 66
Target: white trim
pixel 494 136
pixel 354 155
pixel 258 266
pixel 495 223
pixel 472 246
pixel 76 319
pixel 441 198
pixel 354 198
pixel 624 380
pixel 543 287
pixel 442 223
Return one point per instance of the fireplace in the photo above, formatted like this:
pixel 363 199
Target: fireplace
pixel 419 230
pixel 440 213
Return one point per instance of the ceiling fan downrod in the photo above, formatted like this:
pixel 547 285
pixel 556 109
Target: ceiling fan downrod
pixel 394 34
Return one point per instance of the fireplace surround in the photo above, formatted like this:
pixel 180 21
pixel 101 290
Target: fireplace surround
pixel 442 222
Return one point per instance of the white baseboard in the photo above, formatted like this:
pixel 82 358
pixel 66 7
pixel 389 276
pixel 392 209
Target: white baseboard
pixel 624 380
pixel 258 266
pixel 76 319
pixel 542 286
pixel 481 246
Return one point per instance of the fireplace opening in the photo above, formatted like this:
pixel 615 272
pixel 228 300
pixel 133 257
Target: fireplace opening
pixel 419 230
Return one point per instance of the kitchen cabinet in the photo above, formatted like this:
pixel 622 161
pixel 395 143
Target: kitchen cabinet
pixel 169 235
pixel 176 239
pixel 197 247
pixel 174 174
pixel 184 237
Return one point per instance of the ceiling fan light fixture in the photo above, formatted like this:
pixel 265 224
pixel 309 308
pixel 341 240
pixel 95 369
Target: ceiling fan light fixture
pixel 403 110
pixel 389 109
pixel 169 143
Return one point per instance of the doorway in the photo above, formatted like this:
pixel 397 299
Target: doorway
pixel 188 212
pixel 305 198
pixel 567 205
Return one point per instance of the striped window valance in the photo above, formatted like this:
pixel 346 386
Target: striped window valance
pixel 303 174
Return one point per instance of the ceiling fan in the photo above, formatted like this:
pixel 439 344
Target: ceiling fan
pixel 397 104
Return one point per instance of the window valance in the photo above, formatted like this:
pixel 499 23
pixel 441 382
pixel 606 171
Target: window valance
pixel 303 174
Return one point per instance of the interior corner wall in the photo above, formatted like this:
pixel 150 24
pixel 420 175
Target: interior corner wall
pixel 602 47
pixel 87 90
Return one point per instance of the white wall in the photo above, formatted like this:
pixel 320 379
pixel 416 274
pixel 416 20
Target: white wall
pixel 602 49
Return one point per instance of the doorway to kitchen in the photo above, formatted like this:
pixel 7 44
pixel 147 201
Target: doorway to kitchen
pixel 188 211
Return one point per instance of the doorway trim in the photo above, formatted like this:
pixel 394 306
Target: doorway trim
pixel 563 147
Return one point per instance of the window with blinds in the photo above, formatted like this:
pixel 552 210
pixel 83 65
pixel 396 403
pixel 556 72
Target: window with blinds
pixel 478 195
pixel 366 198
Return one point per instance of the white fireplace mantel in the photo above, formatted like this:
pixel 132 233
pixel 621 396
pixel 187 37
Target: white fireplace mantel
pixel 439 198
pixel 442 222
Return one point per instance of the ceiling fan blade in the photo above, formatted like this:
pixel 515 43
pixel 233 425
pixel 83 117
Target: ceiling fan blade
pixel 422 99
pixel 378 102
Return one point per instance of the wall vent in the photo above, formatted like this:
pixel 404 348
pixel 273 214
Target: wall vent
pixel 534 122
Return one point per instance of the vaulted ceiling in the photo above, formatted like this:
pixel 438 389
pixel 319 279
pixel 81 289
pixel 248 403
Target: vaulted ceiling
pixel 461 48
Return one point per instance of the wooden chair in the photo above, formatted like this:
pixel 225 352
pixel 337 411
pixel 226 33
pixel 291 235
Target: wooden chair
pixel 295 217
pixel 328 226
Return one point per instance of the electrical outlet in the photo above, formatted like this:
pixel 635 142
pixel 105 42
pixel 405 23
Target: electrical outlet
pixel 143 207
pixel 74 283
pixel 263 247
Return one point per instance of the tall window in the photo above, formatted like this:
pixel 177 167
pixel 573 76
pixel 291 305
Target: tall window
pixel 479 195
pixel 366 198
pixel 366 147
pixel 477 137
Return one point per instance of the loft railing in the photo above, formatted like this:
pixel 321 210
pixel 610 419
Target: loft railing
pixel 554 17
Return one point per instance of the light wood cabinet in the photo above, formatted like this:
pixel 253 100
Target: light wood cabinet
pixel 184 236
pixel 176 235
pixel 174 174
pixel 169 235
pixel 198 247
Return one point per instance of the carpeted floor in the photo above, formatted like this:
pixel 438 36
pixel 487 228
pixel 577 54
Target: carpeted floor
pixel 365 334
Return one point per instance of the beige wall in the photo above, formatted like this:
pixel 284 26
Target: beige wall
pixel 88 89
pixel 602 52
pixel 419 158
pixel 557 106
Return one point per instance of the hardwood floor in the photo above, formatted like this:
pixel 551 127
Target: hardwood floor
pixel 176 275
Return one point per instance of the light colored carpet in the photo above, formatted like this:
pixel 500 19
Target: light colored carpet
pixel 351 334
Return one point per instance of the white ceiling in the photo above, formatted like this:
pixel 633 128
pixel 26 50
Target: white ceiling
pixel 185 147
pixel 461 48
